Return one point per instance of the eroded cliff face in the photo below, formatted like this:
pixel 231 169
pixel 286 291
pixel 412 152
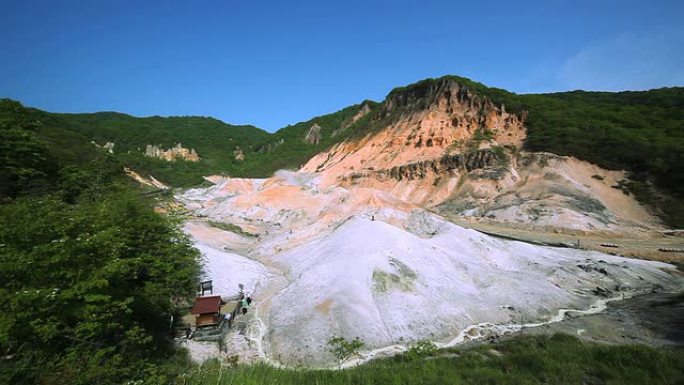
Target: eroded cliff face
pixel 422 124
pixel 443 147
pixel 313 136
pixel 173 153
pixel 446 164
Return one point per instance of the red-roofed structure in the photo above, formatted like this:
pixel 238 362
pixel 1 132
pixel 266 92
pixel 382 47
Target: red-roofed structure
pixel 207 310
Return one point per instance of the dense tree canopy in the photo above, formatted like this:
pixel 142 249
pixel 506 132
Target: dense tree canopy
pixel 89 274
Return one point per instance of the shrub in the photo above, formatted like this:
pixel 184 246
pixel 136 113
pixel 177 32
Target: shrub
pixel 343 349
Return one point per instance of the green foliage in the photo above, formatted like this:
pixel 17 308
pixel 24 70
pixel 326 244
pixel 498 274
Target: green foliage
pixel 558 359
pixel 214 140
pixel 421 349
pixel 501 154
pixel 89 274
pixel 230 227
pixel 69 136
pixel 483 134
pixel 24 160
pixel 343 349
pixel 640 131
pixel 94 279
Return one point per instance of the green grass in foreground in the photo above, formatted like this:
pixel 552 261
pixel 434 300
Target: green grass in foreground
pixel 559 359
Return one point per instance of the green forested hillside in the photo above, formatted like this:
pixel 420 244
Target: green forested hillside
pixel 90 275
pixel 288 148
pixel 214 141
pixel 642 132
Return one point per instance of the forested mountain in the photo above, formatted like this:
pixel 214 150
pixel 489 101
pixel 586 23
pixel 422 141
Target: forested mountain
pixel 222 148
pixel 639 131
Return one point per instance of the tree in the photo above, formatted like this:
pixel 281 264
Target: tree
pixel 343 349
pixel 87 289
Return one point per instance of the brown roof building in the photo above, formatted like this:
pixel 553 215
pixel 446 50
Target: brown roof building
pixel 207 310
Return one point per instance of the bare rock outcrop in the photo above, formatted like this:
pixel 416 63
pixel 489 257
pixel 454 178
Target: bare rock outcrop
pixel 462 163
pixel 440 144
pixel 148 181
pixel 172 154
pixel 270 146
pixel 238 154
pixel 460 108
pixel 109 146
pixel 424 122
pixel 314 135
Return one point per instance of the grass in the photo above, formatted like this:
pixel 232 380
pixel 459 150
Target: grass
pixel 230 227
pixel 559 359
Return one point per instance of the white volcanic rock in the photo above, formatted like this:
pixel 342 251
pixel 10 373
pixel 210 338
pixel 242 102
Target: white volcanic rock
pixel 384 284
pixel 361 262
pixel 346 247
pixel 227 270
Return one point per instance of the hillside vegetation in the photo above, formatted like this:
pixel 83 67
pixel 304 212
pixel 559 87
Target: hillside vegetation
pixel 559 359
pixel 214 141
pixel 642 132
pixel 89 275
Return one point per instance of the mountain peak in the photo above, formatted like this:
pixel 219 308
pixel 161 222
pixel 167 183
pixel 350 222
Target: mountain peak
pixel 449 93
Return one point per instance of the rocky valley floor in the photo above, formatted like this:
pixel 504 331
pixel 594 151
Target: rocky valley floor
pixel 324 261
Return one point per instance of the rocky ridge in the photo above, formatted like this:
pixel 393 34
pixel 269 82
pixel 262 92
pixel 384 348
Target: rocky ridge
pixel 362 112
pixel 440 145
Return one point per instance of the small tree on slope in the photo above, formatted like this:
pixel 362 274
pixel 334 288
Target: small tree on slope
pixel 343 349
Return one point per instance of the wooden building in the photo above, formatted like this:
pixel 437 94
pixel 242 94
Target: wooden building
pixel 207 310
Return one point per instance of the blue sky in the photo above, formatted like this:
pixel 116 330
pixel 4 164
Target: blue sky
pixel 273 63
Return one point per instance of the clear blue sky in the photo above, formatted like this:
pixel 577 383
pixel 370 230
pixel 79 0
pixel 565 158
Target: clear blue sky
pixel 273 63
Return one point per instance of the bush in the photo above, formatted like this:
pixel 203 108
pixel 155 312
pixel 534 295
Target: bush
pixel 343 349
pixel 421 349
